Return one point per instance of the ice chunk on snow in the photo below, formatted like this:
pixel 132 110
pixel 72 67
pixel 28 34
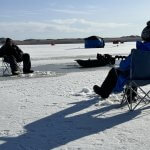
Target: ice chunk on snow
pixel 84 92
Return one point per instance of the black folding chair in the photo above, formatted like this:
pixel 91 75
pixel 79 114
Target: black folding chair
pixel 139 77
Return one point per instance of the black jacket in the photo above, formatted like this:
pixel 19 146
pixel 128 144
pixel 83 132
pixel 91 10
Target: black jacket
pixel 14 50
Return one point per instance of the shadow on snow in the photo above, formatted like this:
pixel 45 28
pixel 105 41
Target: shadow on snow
pixel 59 129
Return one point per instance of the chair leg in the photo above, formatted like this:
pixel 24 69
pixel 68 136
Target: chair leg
pixel 143 99
pixel 5 67
pixel 128 98
pixel 123 101
pixel 125 98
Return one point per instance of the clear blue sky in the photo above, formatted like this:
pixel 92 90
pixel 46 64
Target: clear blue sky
pixel 24 19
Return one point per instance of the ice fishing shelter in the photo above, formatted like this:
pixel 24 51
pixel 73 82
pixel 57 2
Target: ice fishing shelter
pixel 94 42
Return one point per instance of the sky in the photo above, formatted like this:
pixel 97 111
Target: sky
pixel 55 19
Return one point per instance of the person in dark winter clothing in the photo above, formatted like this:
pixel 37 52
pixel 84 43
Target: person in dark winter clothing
pixel 117 77
pixel 13 54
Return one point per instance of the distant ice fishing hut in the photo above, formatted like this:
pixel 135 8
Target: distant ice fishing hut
pixel 94 42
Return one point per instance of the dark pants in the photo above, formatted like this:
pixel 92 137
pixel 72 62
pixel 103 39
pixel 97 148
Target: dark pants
pixel 110 82
pixel 14 62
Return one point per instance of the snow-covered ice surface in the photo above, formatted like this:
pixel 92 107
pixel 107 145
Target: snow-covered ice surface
pixel 56 108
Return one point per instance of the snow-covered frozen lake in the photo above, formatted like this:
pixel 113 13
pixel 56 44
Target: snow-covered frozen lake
pixel 60 110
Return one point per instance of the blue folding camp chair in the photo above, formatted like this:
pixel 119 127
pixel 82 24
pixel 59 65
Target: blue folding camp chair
pixel 139 77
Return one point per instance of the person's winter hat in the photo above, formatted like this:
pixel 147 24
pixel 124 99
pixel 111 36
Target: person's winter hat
pixel 145 35
pixel 8 40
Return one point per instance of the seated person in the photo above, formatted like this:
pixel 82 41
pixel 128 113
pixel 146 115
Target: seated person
pixel 117 77
pixel 13 54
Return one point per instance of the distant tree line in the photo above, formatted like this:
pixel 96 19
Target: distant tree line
pixel 70 40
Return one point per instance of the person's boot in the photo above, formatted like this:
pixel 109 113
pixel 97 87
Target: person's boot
pixel 17 72
pixel 27 71
pixel 99 91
